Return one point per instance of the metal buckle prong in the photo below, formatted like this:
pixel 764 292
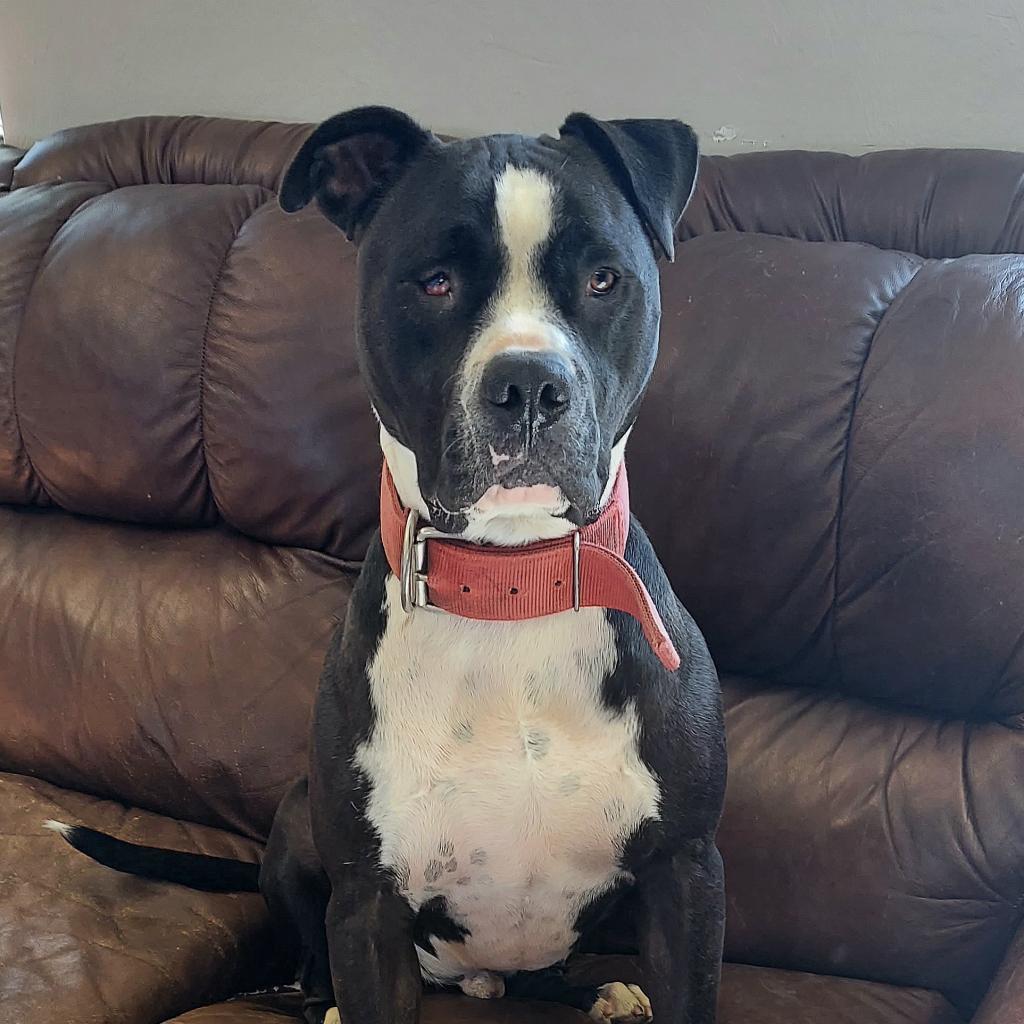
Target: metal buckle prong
pixel 413 568
pixel 576 571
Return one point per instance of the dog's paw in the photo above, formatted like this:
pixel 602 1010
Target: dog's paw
pixel 618 1002
pixel 483 985
pixel 332 1016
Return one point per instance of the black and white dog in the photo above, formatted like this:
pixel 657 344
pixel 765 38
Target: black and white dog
pixel 486 789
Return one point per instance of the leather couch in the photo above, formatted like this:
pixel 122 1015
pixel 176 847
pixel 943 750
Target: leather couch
pixel 829 463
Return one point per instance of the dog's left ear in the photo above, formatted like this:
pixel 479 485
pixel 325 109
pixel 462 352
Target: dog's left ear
pixel 654 162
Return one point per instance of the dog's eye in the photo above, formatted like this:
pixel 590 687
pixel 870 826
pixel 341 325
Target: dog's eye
pixel 602 281
pixel 438 285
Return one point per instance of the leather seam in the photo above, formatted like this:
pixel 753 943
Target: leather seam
pixel 214 292
pixel 841 500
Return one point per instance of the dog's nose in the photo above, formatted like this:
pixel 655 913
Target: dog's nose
pixel 527 389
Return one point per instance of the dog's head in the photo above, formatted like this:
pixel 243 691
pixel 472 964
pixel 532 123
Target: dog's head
pixel 508 303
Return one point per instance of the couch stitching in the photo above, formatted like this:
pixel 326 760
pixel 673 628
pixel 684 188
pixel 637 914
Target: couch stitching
pixel 841 502
pixel 214 291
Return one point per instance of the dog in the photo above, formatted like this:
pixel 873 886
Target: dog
pixel 518 730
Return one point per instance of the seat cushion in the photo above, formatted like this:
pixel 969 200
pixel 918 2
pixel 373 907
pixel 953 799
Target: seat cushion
pixel 86 945
pixel 172 669
pixel 750 995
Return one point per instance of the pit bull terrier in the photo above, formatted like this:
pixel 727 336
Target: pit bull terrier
pixel 518 729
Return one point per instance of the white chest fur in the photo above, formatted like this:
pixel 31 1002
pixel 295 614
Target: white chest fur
pixel 498 778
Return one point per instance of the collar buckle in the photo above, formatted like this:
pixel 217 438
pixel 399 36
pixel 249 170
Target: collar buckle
pixel 413 566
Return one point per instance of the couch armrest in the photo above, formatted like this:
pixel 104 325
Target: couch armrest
pixel 9 157
pixel 1004 1003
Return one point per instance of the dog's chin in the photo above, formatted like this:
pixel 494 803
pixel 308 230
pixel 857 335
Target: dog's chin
pixel 536 498
pixel 518 515
pixel 513 506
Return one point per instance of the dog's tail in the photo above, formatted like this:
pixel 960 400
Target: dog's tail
pixel 195 870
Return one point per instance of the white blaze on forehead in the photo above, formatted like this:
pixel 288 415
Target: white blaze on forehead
pixel 524 207
pixel 520 316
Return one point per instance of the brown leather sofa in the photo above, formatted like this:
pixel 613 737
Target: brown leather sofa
pixel 829 464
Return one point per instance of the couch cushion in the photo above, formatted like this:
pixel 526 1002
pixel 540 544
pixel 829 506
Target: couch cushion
pixel 736 462
pixel 929 602
pixel 914 200
pixel 29 221
pixel 750 995
pixel 165 150
pixel 757 995
pixel 9 158
pixel 870 842
pixel 83 944
pixel 174 670
pixel 827 464
pixel 182 355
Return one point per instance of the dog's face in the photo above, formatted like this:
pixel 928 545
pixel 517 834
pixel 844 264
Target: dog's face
pixel 509 306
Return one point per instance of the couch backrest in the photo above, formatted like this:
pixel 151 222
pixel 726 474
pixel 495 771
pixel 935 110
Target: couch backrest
pixel 184 349
pixel 936 203
pixel 828 464
pixel 176 364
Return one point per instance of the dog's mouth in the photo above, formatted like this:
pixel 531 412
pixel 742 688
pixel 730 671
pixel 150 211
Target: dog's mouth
pixel 490 487
pixel 498 500
pixel 515 502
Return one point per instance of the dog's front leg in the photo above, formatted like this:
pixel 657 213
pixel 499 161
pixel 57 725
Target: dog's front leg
pixel 681 925
pixel 374 966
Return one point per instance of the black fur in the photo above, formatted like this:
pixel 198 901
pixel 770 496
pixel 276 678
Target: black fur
pixel 654 162
pixel 433 922
pixel 349 162
pixel 551 986
pixel 210 874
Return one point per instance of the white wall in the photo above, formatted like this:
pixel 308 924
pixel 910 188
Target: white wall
pixel 853 75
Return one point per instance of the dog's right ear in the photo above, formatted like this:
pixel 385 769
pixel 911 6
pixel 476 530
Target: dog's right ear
pixel 349 163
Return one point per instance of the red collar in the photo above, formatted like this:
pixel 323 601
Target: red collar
pixel 480 581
